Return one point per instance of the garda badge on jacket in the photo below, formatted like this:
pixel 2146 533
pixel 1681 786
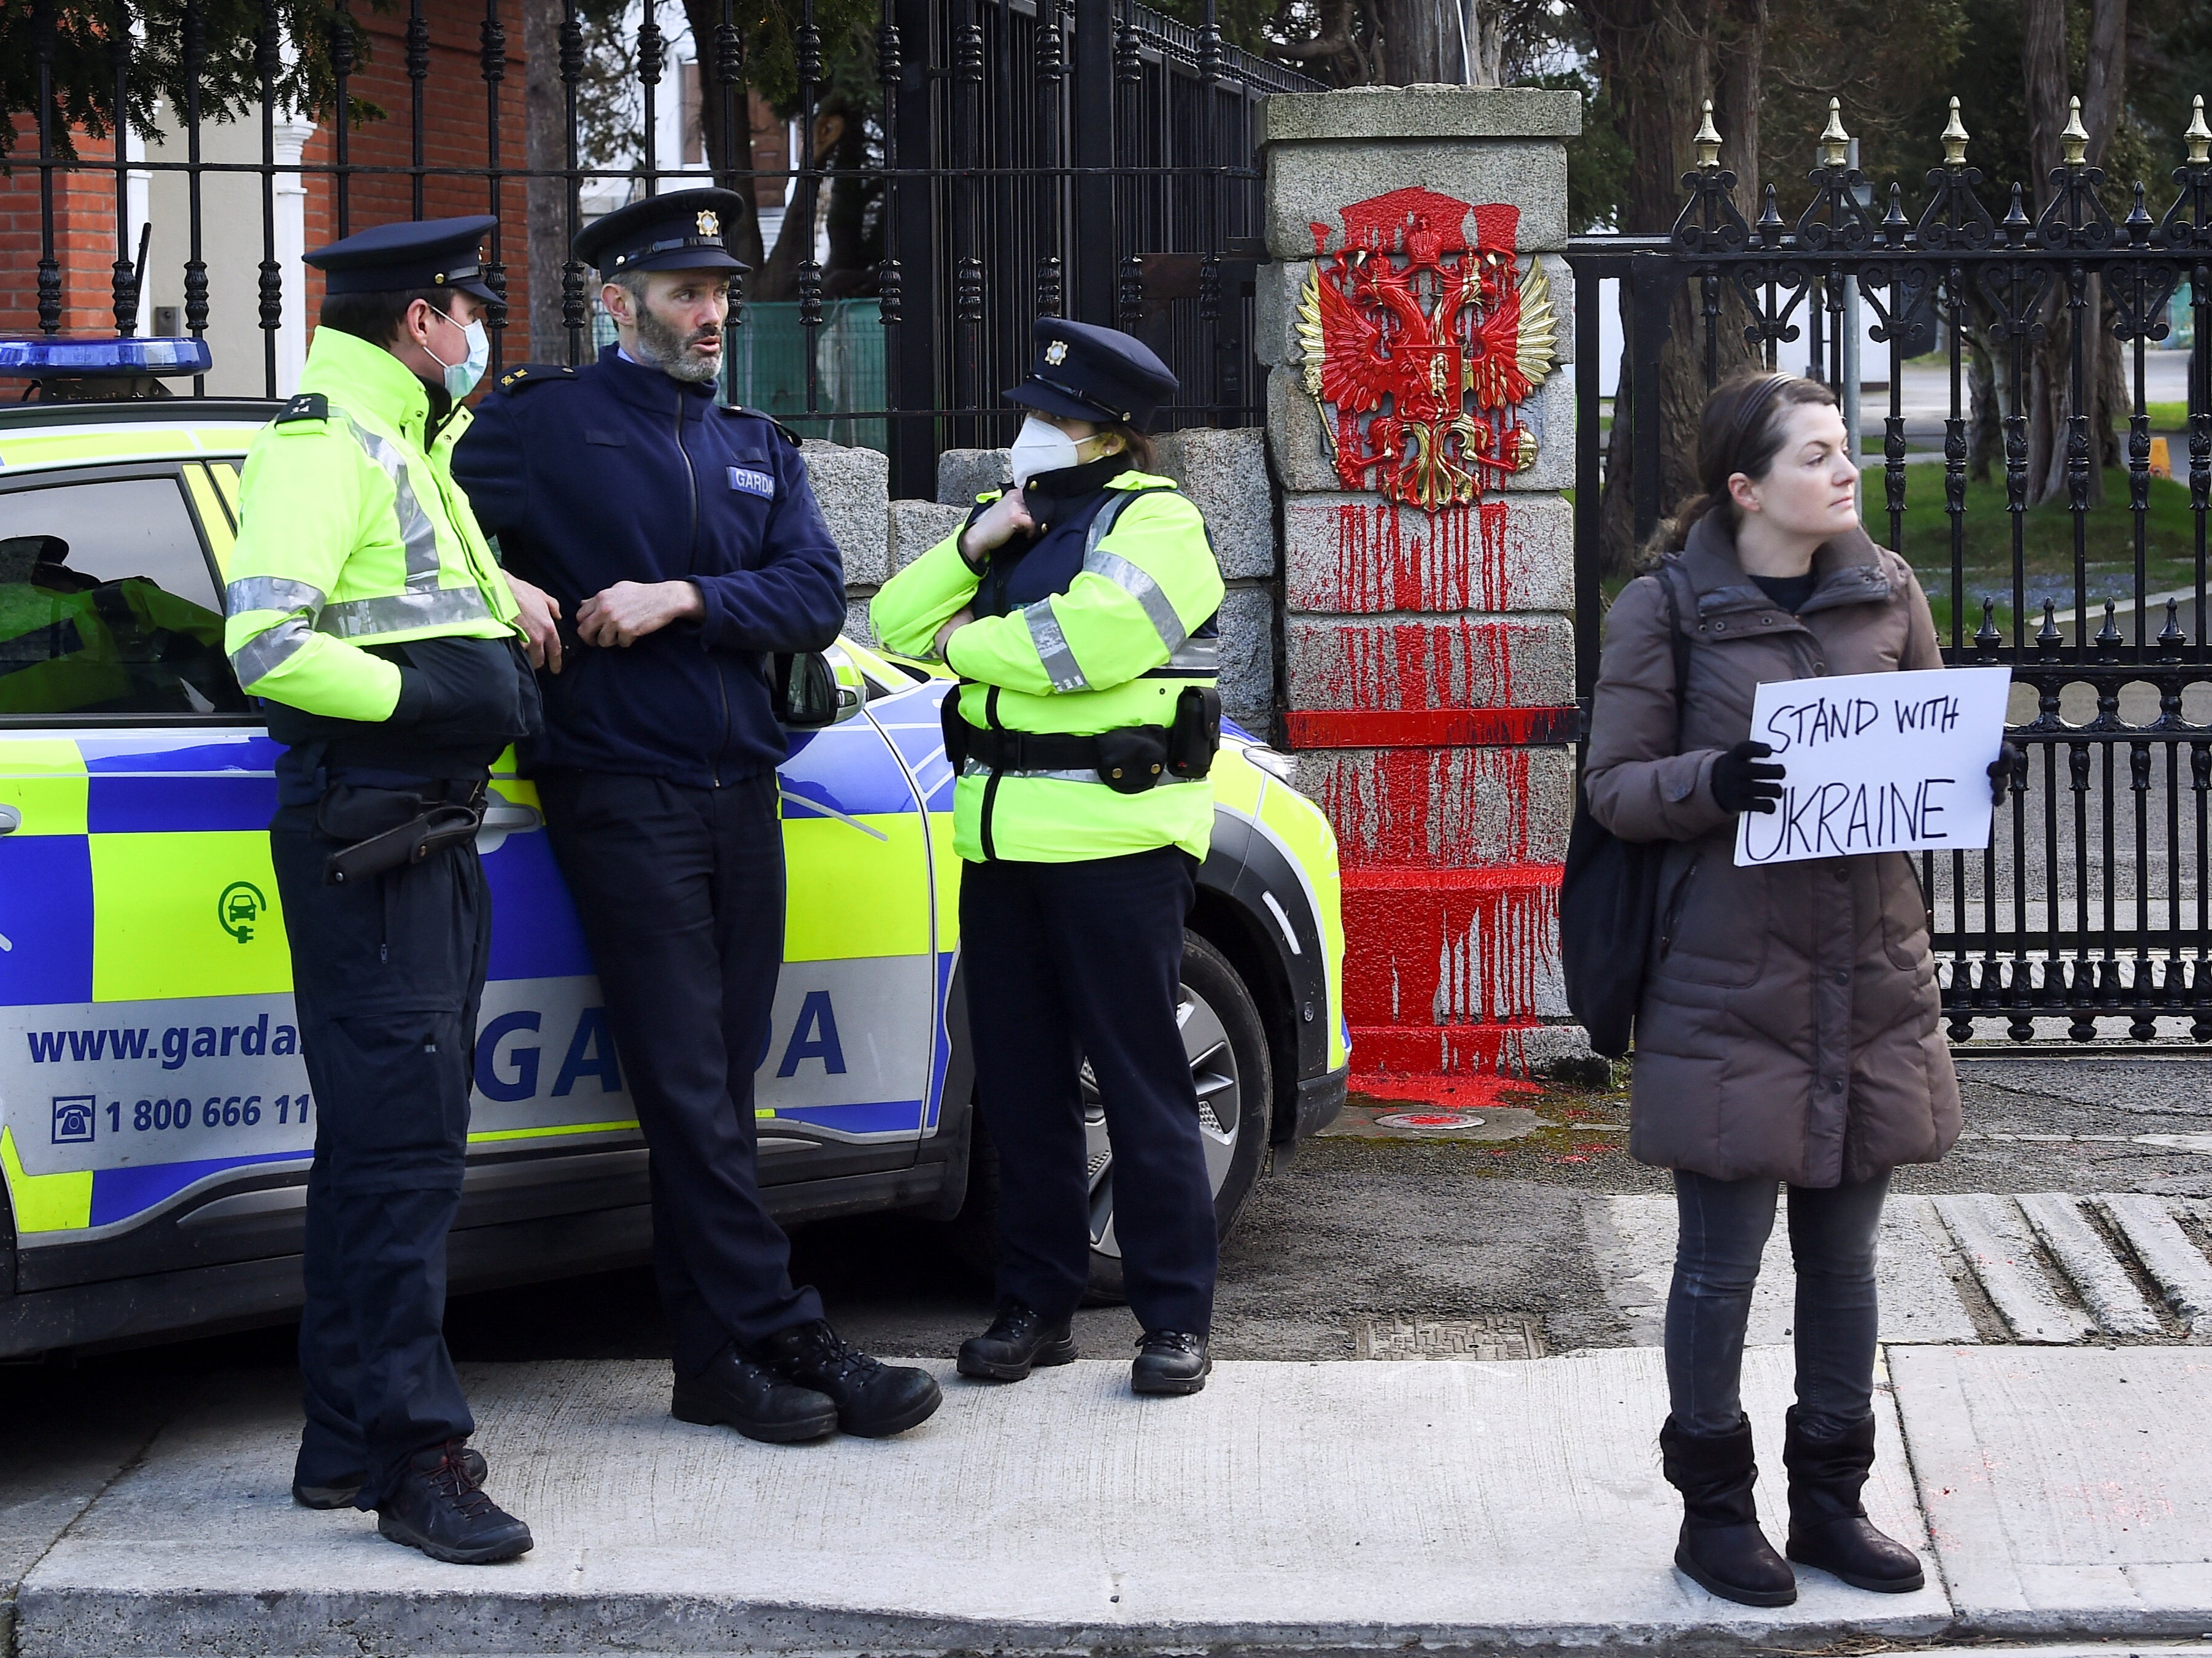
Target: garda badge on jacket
pixel 1421 343
pixel 753 482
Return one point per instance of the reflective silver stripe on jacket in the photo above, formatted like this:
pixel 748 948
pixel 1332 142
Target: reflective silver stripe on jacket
pixel 265 652
pixel 272 592
pixel 1060 664
pixel 1128 577
pixel 365 618
pixel 1199 655
pixel 977 768
pixel 417 532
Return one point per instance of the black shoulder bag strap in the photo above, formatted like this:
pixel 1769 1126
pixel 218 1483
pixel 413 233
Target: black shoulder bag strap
pixel 1608 892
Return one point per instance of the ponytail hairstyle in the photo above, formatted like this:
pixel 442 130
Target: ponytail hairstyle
pixel 1739 432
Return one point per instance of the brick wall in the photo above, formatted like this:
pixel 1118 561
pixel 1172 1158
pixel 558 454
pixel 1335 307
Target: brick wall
pixel 84 236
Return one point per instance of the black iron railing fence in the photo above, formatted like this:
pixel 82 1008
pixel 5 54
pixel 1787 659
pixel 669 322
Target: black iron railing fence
pixel 1086 158
pixel 2089 917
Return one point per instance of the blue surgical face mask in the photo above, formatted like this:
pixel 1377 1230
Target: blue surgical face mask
pixel 461 377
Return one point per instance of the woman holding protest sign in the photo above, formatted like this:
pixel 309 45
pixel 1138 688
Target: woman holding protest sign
pixel 1789 1026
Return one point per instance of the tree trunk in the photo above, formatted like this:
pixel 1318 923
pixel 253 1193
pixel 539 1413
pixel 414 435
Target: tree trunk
pixel 2051 402
pixel 729 154
pixel 1419 43
pixel 545 199
pixel 802 230
pixel 1985 402
pixel 1658 72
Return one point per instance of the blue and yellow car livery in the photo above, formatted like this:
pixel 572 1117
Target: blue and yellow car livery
pixel 155 1118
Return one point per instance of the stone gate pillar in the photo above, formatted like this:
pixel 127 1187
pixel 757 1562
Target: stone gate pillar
pixel 1416 322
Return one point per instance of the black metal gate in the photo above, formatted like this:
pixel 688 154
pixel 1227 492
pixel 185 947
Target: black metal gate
pixel 1087 158
pixel 2087 919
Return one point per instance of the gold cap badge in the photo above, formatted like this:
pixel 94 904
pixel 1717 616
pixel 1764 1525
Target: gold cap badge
pixel 1056 353
pixel 710 224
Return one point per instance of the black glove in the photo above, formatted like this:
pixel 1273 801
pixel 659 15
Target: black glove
pixel 1741 784
pixel 2010 759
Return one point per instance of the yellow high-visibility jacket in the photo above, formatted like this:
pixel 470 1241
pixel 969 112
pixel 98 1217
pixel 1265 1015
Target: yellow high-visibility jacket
pixel 1112 646
pixel 352 533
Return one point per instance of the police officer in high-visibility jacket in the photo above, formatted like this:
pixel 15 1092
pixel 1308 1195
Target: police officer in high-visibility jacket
pixel 1078 611
pixel 367 610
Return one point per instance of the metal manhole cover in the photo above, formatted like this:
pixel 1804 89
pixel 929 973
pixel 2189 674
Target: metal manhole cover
pixel 1429 1120
pixel 1486 1336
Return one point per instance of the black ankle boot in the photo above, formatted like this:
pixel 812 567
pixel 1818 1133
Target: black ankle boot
pixel 1020 1339
pixel 442 1510
pixel 1722 1547
pixel 874 1399
pixel 1828 1527
pixel 759 1404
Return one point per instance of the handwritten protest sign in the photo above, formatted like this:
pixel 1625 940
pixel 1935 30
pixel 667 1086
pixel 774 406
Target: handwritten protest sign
pixel 1877 762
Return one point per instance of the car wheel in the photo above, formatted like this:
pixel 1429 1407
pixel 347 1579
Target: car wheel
pixel 1226 1045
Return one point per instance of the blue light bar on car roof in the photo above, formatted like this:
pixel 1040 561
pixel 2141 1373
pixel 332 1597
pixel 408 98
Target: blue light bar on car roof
pixel 50 358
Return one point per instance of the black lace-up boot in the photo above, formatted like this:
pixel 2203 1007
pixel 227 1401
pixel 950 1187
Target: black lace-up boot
pixel 1722 1546
pixel 1828 1525
pixel 440 1510
pixel 1019 1339
pixel 341 1495
pixel 874 1399
pixel 758 1403
pixel 1170 1362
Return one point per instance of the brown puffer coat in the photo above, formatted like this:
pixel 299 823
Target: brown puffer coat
pixel 1790 1024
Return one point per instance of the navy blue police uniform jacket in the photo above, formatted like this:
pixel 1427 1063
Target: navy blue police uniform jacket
pixel 618 473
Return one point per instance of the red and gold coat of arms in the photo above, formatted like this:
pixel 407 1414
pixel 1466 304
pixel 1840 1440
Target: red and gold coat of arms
pixel 1422 342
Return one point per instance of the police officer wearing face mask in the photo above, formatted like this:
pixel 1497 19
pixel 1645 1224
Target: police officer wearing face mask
pixel 366 611
pixel 1078 611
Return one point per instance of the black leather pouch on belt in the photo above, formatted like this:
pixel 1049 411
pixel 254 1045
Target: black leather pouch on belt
pixel 956 730
pixel 1131 760
pixel 1195 737
pixel 383 829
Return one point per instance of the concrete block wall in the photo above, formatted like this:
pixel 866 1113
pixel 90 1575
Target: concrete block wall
pixel 1429 668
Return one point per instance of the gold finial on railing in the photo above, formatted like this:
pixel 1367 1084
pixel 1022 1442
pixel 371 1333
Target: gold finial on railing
pixel 1955 139
pixel 2199 135
pixel 1708 139
pixel 2075 136
pixel 1835 142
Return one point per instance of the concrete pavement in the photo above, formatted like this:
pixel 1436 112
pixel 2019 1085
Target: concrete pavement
pixel 1325 1506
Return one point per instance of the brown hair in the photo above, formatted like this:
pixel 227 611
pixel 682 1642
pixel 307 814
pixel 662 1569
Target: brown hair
pixel 1739 432
pixel 1134 444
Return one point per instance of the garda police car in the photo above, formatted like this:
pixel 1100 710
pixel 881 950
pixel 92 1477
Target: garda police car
pixel 156 1118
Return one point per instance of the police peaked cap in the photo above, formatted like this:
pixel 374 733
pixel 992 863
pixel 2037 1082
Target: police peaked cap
pixel 393 258
pixel 682 231
pixel 1089 372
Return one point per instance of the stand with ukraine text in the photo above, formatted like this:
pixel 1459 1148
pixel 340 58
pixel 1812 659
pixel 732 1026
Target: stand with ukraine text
pixel 1414 322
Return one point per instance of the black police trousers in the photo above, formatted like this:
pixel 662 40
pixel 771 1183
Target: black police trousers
pixel 387 974
pixel 1065 961
pixel 681 894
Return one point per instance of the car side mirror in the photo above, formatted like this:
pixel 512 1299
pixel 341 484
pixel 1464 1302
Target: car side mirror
pixel 809 694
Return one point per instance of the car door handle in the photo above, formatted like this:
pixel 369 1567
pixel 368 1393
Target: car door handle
pixel 10 820
pixel 505 817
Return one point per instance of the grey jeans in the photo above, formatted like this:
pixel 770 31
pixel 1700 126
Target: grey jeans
pixel 1724 1231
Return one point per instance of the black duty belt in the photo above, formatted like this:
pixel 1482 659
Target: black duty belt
pixel 1010 750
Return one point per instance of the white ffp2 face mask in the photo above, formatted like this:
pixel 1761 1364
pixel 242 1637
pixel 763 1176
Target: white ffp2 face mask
pixel 1040 448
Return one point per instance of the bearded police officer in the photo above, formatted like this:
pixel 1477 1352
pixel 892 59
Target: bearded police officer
pixel 683 541
pixel 367 611
pixel 1078 611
